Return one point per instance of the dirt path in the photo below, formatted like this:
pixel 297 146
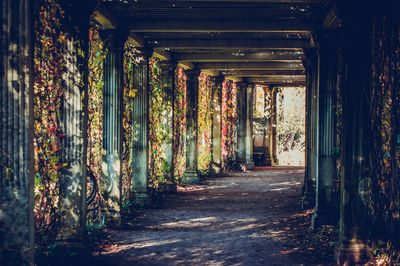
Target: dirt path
pixel 236 220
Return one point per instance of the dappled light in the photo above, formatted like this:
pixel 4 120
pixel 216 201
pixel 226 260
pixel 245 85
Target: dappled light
pixel 227 132
pixel 211 227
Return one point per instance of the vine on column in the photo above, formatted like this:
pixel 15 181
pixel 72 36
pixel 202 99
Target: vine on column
pixel 204 123
pixel 159 111
pixel 97 55
pixel 179 124
pixel 49 68
pixel 228 124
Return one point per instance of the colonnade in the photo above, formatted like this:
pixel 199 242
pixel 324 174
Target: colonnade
pixel 16 190
pixel 339 63
pixel 327 67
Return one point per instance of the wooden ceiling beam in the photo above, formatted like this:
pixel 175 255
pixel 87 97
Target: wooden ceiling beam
pixel 252 66
pixel 257 24
pixel 136 40
pixel 277 79
pixel 230 43
pixel 242 56
pixel 105 18
pixel 258 73
pixel 258 1
pixel 278 84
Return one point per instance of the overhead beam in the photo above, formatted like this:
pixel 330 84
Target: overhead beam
pixel 277 79
pixel 278 84
pixel 252 66
pixel 230 43
pixel 259 1
pixel 187 65
pixel 264 24
pixel 135 40
pixel 105 18
pixel 162 54
pixel 258 73
pixel 242 56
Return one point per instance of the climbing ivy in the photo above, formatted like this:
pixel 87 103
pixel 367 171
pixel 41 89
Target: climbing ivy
pixel 384 204
pixel 160 117
pixel 179 160
pixel 95 120
pixel 204 122
pixel 49 67
pixel 229 122
pixel 129 92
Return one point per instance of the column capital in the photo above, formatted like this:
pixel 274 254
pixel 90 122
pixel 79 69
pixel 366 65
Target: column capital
pixel 114 39
pixel 251 85
pixel 217 79
pixel 146 52
pixel 192 73
pixel 241 85
pixel 168 66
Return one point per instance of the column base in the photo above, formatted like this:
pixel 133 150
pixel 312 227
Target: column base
pixel 168 188
pixel 112 218
pixel 308 200
pixel 190 177
pixel 215 168
pixel 269 161
pixel 324 218
pixel 141 199
pixel 272 161
pixel 250 165
pixel 352 252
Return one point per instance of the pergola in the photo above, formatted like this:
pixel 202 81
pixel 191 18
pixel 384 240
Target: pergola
pixel 319 44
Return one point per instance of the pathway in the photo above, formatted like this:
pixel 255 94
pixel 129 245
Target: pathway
pixel 234 220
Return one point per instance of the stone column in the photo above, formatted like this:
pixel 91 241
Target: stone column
pixel 112 124
pixel 73 173
pixel 308 199
pixel 326 211
pixel 16 134
pixel 269 160
pixel 241 126
pixel 267 124
pixel 168 81
pixel 192 87
pixel 352 246
pixel 272 158
pixel 141 128
pixel 314 125
pixel 216 123
pixel 249 127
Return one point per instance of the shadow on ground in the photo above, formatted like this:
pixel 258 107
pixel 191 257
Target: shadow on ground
pixel 251 218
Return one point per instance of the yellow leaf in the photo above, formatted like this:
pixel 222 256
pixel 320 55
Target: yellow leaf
pixel 132 93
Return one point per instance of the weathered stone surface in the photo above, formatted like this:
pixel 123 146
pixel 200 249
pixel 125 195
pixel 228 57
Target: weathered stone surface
pixel 141 130
pixel 73 174
pixel 326 208
pixel 16 134
pixel 308 198
pixel 356 55
pixel 113 85
pixel 192 87
pixel 249 127
pixel 241 122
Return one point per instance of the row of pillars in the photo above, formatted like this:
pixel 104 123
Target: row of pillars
pixel 16 139
pixel 336 192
